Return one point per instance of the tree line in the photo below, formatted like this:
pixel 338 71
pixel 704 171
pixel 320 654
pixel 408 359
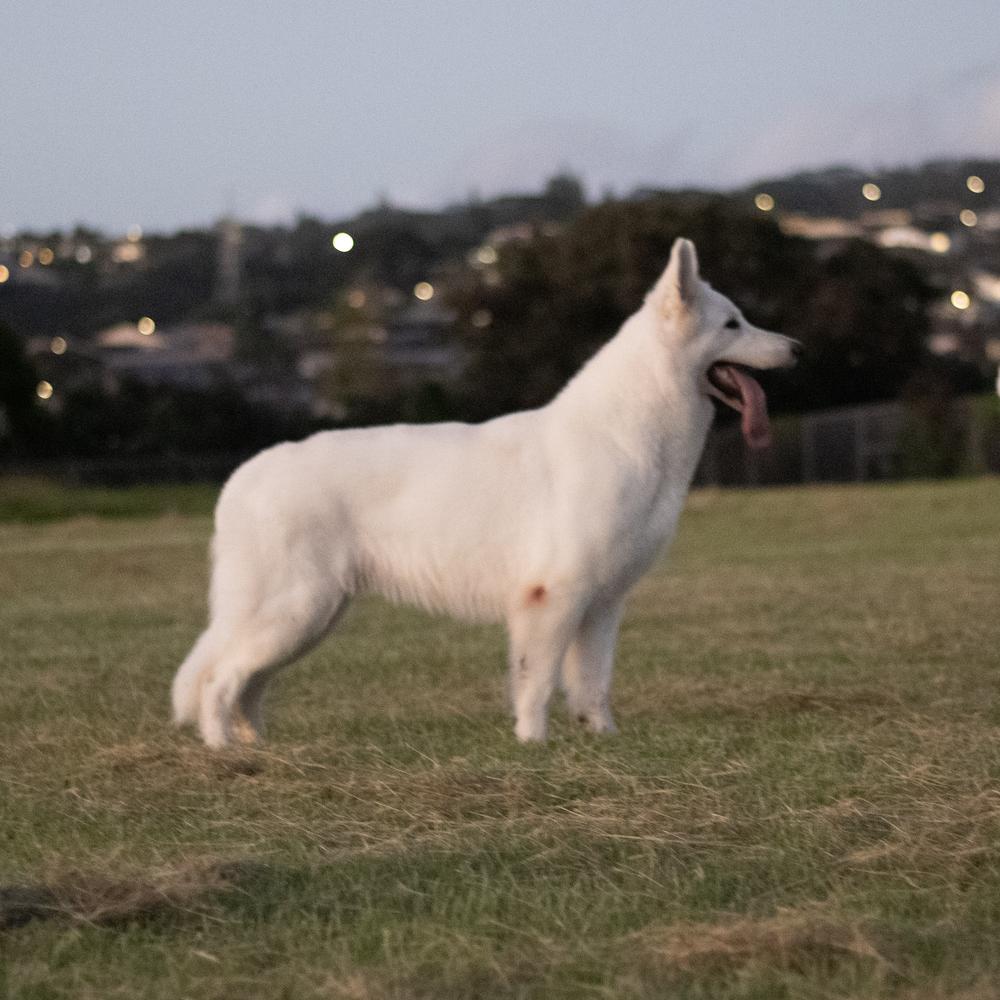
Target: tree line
pixel 552 299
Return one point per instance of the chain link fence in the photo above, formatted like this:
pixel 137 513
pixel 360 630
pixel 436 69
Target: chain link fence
pixel 878 441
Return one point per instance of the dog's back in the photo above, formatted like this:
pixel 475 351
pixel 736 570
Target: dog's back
pixel 411 512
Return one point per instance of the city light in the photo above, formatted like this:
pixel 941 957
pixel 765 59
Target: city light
pixel 423 290
pixel 960 299
pixel 871 191
pixel 126 253
pixel 83 254
pixel 481 319
pixel 764 201
pixel 988 286
pixel 146 326
pixel 343 242
pixel 486 255
pixel 134 234
pixel 58 345
pixel 967 217
pixel 4 273
pixel 975 184
pixel 43 390
pixel 46 256
pixel 940 242
pixel 26 259
pixel 943 343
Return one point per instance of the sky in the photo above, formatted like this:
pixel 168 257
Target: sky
pixel 173 114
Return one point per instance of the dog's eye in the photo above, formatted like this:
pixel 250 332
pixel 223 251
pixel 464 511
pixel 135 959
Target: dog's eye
pixel 733 324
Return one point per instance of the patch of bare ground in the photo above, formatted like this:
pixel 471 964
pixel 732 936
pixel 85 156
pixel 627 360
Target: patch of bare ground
pixel 108 899
pixel 794 940
pixel 179 761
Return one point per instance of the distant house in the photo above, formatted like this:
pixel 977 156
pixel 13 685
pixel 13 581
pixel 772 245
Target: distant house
pixel 67 365
pixel 823 228
pixel 282 391
pixel 188 356
pixel 201 356
pixel 33 273
pixel 418 344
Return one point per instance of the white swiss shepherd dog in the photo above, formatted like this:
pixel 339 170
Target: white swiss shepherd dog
pixel 542 519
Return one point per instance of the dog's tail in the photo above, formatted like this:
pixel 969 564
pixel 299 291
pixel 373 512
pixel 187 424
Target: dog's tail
pixel 185 693
pixel 225 596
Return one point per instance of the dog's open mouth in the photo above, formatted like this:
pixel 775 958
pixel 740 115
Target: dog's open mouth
pixel 736 387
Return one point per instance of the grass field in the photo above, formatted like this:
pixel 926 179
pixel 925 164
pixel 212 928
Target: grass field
pixel 803 802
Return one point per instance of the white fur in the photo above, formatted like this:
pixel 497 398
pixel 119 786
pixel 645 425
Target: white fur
pixel 543 519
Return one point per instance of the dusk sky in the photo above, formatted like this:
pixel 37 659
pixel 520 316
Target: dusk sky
pixel 170 114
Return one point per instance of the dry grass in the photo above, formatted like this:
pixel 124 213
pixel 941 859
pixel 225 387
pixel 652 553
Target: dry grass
pixel 804 800
pixel 791 940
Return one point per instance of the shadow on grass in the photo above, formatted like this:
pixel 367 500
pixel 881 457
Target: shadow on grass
pixel 103 899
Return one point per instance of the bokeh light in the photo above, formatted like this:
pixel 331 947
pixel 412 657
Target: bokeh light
pixel 960 299
pixel 975 184
pixel 871 191
pixel 356 298
pixel 764 201
pixel 44 390
pixel 967 217
pixel 486 255
pixel 4 273
pixel 343 242
pixel 481 319
pixel 134 234
pixel 423 290
pixel 26 259
pixel 46 256
pixel 146 326
pixel 58 345
pixel 940 242
pixel 127 253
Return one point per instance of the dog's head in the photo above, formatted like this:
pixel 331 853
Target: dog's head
pixel 709 333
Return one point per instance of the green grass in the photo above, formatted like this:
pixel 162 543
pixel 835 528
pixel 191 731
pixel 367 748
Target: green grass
pixel 29 500
pixel 804 800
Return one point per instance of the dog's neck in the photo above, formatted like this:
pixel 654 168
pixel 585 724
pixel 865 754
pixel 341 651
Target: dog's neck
pixel 639 398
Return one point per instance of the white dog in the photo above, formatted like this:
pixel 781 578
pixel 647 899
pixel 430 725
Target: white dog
pixel 543 519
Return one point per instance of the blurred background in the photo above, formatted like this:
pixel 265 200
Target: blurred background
pixel 223 226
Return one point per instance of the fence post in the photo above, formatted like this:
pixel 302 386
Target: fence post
pixel 752 467
pixel 858 422
pixel 808 445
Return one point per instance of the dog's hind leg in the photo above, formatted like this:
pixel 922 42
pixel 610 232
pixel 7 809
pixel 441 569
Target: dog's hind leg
pixel 185 692
pixel 588 667
pixel 234 685
pixel 248 720
pixel 539 633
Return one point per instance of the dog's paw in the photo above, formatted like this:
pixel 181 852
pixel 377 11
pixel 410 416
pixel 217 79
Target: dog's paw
pixel 597 720
pixel 530 732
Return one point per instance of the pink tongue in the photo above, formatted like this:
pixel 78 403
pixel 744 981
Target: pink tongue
pixel 756 427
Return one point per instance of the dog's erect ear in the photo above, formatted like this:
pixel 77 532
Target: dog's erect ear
pixel 684 261
pixel 679 283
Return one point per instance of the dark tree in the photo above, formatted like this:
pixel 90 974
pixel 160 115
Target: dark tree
pixel 23 427
pixel 861 313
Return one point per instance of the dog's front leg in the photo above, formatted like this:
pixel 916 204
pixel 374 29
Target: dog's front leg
pixel 539 633
pixel 589 665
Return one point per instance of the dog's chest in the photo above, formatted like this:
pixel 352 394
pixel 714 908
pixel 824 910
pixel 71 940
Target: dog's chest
pixel 626 540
